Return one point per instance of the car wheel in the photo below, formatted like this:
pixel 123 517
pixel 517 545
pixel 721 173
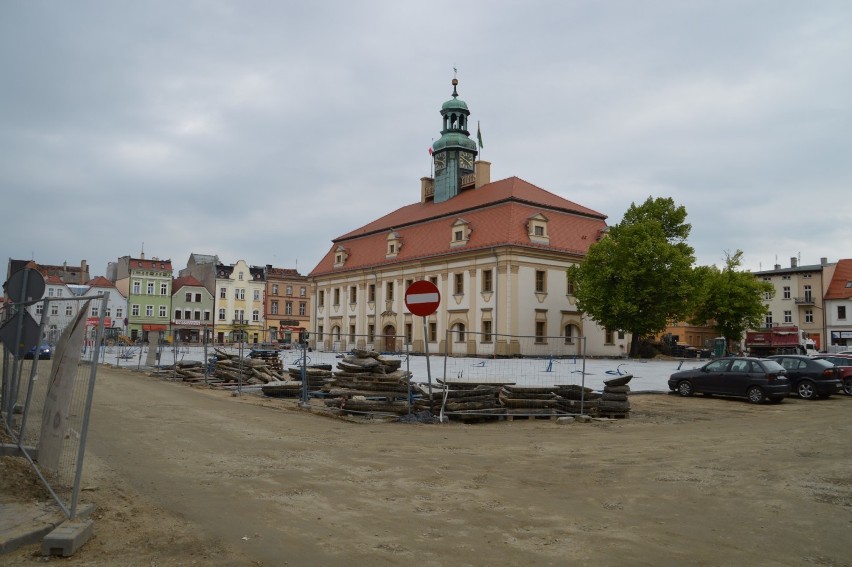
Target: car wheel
pixel 684 388
pixel 755 394
pixel 806 390
pixel 847 387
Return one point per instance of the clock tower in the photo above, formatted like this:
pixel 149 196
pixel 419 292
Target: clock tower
pixel 454 152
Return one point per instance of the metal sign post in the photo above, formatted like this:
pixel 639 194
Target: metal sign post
pixel 423 298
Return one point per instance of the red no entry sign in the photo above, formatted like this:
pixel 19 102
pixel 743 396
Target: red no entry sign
pixel 422 298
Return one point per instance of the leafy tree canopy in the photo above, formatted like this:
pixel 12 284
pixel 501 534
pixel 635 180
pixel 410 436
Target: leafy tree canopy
pixel 729 300
pixel 639 277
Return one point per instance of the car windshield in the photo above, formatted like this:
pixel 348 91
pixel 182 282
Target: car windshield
pixel 772 366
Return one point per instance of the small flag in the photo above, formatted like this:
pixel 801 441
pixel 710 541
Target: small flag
pixel 479 135
pixel 430 151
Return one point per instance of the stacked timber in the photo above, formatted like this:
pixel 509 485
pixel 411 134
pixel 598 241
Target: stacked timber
pixel 270 357
pixel 614 400
pixel 365 381
pixel 282 389
pixel 317 375
pixel 229 369
pixel 190 370
pixel 548 400
pixel 464 400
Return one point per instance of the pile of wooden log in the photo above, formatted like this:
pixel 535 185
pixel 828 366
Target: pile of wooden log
pixel 465 400
pixel 548 400
pixel 271 357
pixel 614 401
pixel 231 368
pixel 365 381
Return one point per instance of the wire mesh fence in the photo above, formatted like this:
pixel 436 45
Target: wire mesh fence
pixel 47 391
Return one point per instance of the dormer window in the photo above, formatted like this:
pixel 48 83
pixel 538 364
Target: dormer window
pixel 537 229
pixel 460 232
pixel 394 244
pixel 340 256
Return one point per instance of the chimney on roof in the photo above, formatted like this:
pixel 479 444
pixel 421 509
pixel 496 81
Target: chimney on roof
pixel 777 266
pixel 793 262
pixel 482 169
pixel 823 261
pixel 142 255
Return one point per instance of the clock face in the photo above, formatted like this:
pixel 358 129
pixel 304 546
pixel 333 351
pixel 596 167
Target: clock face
pixel 465 160
pixel 440 161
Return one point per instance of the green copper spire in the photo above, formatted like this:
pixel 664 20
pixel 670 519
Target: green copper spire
pixel 454 152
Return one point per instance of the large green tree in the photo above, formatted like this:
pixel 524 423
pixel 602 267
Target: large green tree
pixel 639 277
pixel 729 300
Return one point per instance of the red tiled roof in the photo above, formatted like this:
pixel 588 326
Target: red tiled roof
pixel 100 281
pixel 497 214
pixel 140 263
pixel 185 281
pixel 839 286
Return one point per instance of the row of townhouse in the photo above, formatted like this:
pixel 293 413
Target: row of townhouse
pixel 224 303
pixel 815 297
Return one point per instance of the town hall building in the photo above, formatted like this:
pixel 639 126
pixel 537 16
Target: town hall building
pixel 498 252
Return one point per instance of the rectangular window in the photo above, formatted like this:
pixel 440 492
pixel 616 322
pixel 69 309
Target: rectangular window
pixel 788 316
pixel 767 295
pixel 786 292
pixel 336 296
pixel 303 291
pixel 163 311
pixel 206 315
pixel 197 315
pixel 119 312
pixel 540 281
pixel 409 332
pixel 221 314
pixel 569 288
pixel 486 331
pixel 134 310
pixel 240 293
pixel 274 289
pixel 289 290
pixel 274 308
pixel 288 307
pixel 351 333
pixel 187 314
pixel 538 230
pixel 255 315
pixel 54 309
pixel 433 332
pixel 353 294
pixel 223 293
pixel 808 293
pixel 458 288
pixel 371 333
pixel 303 308
pixel 809 316
pixel 150 288
pixel 371 292
pixel 434 280
pixel 841 312
pixel 137 288
pixel 487 281
pixel 320 329
pixel 188 297
pixel 256 295
pixel 177 314
pixel 50 292
pixel 70 311
pixel 608 338
pixel 540 332
pixel 39 308
pixel 149 310
pixel 164 288
pixel 389 291
pixel 321 299
pixel 768 320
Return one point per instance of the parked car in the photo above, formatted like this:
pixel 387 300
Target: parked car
pixel 844 363
pixel 757 379
pixel 45 352
pixel 810 378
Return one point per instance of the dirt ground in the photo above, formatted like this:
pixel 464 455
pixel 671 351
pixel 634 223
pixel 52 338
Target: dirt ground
pixel 183 475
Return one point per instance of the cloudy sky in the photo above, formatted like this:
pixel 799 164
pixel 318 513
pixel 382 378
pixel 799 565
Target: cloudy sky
pixel 260 130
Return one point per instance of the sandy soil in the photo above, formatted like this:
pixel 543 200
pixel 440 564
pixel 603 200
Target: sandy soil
pixel 186 475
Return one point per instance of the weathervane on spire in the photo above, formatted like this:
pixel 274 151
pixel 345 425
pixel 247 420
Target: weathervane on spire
pixel 455 82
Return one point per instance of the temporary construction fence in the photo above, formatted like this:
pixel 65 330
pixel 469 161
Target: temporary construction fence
pixel 47 392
